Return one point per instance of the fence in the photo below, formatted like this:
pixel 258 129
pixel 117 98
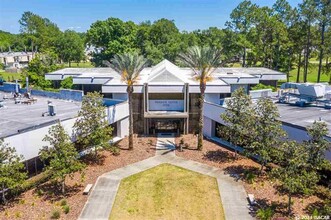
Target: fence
pixel 67 94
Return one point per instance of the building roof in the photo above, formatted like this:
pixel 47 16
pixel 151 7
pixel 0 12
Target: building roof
pixel 14 54
pixel 304 116
pixel 168 73
pixel 16 118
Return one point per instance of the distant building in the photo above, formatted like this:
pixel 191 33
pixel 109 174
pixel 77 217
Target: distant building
pixel 16 60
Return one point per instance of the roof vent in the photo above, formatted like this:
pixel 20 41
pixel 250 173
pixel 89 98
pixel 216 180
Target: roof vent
pixel 229 73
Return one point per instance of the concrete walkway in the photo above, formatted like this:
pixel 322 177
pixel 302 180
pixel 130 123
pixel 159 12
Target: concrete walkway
pixel 102 197
pixel 165 145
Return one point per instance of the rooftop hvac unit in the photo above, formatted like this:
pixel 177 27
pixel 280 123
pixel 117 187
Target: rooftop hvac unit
pixel 315 90
pixel 51 109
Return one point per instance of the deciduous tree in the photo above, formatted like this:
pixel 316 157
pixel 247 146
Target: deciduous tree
pixel 292 173
pixel 238 119
pixel 91 128
pixel 61 156
pixel 12 172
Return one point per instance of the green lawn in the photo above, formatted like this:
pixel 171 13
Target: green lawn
pixel 312 74
pixel 79 65
pixel 10 76
pixel 168 192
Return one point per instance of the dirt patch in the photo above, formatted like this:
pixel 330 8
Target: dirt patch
pixel 40 202
pixel 263 187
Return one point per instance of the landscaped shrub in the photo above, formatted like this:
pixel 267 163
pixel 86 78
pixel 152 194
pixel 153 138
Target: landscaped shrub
pixel 262 86
pixel 66 209
pixel 63 202
pixel 18 215
pixel 249 176
pixel 265 214
pixel 55 214
pixel 67 83
pixel 115 150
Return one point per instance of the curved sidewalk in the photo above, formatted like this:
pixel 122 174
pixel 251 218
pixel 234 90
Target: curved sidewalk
pixel 102 197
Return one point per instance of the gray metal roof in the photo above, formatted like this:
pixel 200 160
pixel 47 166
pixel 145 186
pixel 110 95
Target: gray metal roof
pixel 304 116
pixel 14 117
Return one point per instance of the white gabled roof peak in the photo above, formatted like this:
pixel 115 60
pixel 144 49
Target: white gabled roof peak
pixel 166 71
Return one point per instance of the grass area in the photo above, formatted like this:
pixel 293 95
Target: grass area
pixel 10 76
pixel 168 192
pixel 78 65
pixel 312 74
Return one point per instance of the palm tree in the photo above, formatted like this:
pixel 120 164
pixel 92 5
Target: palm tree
pixel 129 65
pixel 202 60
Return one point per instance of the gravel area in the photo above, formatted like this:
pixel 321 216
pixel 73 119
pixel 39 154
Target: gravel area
pixel 263 188
pixel 39 203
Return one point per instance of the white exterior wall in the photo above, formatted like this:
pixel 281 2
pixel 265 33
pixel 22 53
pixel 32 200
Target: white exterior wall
pixel 208 127
pixel 120 96
pixel 123 127
pixel 29 143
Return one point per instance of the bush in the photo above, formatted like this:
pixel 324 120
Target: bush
pixel 262 86
pixel 63 202
pixel 265 214
pixel 55 214
pixel 67 83
pixel 115 150
pixel 66 209
pixel 249 176
pixel 150 142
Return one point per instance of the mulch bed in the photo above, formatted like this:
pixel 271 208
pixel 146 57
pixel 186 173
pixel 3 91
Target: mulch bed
pixel 40 202
pixel 264 189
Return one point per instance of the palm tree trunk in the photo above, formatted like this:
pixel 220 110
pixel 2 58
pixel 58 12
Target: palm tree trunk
pixel 201 103
pixel 130 91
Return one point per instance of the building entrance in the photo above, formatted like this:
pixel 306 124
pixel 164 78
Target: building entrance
pixel 166 126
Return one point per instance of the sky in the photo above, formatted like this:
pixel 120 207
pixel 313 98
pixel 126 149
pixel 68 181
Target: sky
pixel 80 14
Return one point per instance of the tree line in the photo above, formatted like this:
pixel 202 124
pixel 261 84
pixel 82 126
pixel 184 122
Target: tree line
pixel 280 37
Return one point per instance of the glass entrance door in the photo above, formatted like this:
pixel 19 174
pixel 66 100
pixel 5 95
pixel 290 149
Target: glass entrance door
pixel 165 126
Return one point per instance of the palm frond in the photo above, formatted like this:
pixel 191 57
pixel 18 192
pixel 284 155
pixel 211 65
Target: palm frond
pixel 129 65
pixel 202 61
